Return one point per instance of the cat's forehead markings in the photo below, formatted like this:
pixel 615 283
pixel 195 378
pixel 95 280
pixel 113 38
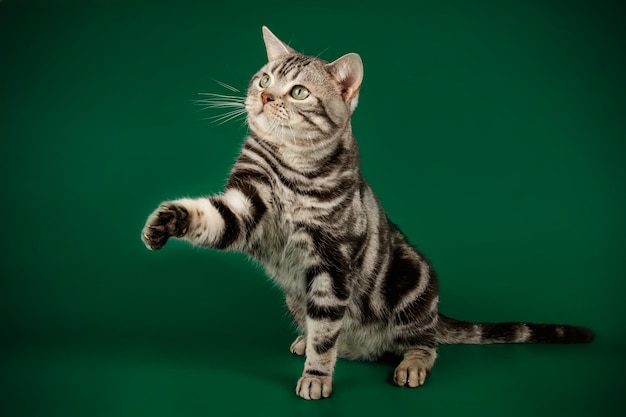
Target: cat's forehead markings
pixel 289 67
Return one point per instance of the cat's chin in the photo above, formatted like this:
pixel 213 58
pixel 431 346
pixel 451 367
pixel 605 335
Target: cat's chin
pixel 277 134
pixel 260 129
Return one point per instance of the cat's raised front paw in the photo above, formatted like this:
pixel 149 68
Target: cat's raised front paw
pixel 168 220
pixel 314 387
pixel 298 346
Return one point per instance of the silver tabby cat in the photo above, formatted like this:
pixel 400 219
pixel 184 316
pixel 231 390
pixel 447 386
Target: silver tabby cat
pixel 295 201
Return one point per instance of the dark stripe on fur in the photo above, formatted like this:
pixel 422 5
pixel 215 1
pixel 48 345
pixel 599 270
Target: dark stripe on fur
pixel 327 194
pixel 364 312
pixel 258 206
pixel 315 372
pixel 286 65
pixel 333 264
pixel 501 332
pixel 231 225
pixel 318 312
pixel 242 176
pixel 270 158
pixel 293 64
pixel 273 159
pixel 417 309
pixel 272 66
pixel 328 164
pixel 323 113
pixel 331 162
pixel 326 344
pixel 402 276
pixel 310 122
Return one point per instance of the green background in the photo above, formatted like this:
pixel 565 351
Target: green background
pixel 504 121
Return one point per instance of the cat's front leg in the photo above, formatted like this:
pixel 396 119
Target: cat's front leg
pixel 316 381
pixel 324 315
pixel 195 220
pixel 222 222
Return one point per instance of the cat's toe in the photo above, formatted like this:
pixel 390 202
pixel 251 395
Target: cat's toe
pixel 298 346
pixel 166 221
pixel 314 387
pixel 154 237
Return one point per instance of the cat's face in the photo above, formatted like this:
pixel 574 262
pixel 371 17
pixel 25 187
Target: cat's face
pixel 301 99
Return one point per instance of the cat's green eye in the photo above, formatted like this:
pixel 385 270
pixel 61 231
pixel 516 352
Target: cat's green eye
pixel 299 92
pixel 265 81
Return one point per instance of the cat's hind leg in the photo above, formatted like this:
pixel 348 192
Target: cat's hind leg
pixel 412 294
pixel 414 367
pixel 298 346
pixel 415 342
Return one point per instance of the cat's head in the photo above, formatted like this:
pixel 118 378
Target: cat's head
pixel 299 98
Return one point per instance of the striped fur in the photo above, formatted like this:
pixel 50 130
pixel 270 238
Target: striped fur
pixel 296 202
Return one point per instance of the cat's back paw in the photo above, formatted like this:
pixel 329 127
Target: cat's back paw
pixel 298 347
pixel 410 373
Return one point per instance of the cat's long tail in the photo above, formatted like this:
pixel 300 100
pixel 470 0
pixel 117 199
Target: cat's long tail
pixel 452 331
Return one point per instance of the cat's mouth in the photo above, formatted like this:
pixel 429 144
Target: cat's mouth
pixel 273 115
pixel 272 121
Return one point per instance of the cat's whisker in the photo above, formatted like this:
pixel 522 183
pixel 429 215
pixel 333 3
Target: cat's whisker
pixel 227 120
pixel 209 97
pixel 234 104
pixel 227 86
pixel 320 54
pixel 236 111
pixel 293 134
pixel 219 101
pixel 228 116
pixel 221 105
pixel 237 98
pixel 225 99
pixel 213 107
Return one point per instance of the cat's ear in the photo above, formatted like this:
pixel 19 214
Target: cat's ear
pixel 274 46
pixel 348 71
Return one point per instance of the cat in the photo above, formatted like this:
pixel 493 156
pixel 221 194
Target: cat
pixel 296 202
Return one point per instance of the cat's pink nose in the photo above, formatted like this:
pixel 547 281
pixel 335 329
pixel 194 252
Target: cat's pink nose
pixel 265 98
